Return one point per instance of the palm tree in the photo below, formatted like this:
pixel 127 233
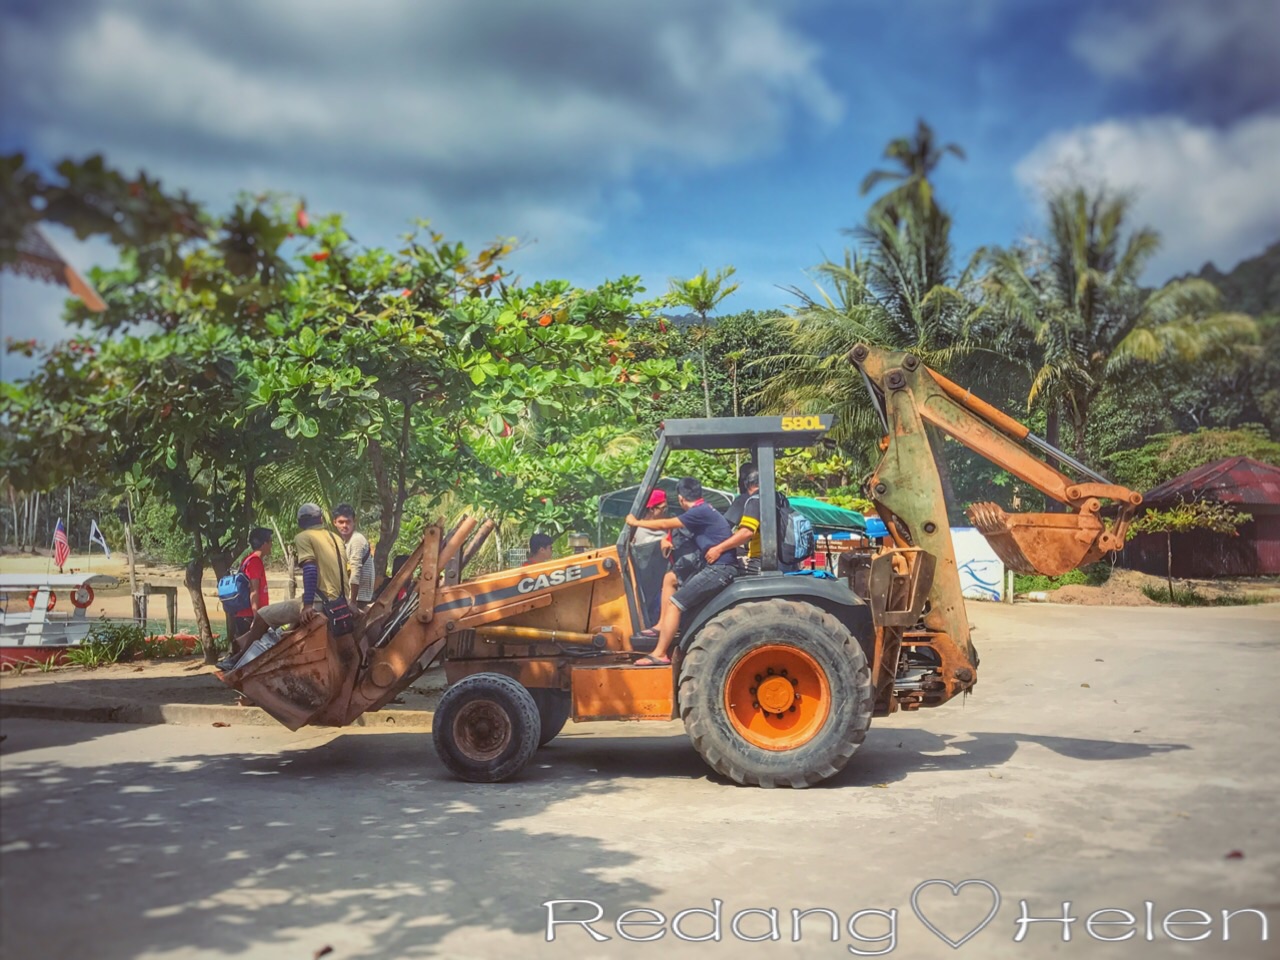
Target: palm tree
pixel 702 294
pixel 917 157
pixel 1077 293
pixel 900 290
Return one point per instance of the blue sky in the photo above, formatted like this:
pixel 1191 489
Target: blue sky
pixel 658 137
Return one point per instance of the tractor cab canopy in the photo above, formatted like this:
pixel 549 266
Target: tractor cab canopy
pixel 745 433
pixel 761 436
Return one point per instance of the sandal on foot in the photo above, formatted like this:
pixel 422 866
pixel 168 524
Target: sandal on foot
pixel 652 633
pixel 653 662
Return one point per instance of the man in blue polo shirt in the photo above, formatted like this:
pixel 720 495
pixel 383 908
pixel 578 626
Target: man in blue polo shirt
pixel 709 530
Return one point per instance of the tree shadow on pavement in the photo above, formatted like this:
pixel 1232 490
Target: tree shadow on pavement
pixel 362 843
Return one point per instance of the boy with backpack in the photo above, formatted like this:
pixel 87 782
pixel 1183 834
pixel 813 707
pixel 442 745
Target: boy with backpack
pixel 795 533
pixel 253 569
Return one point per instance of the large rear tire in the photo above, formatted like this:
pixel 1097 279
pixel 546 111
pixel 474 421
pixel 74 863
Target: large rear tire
pixel 486 728
pixel 554 707
pixel 776 693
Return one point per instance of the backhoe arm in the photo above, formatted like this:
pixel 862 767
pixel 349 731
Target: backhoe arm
pixel 907 391
pixel 907 492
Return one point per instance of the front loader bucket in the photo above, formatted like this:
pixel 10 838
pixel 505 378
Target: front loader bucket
pixel 1046 543
pixel 305 678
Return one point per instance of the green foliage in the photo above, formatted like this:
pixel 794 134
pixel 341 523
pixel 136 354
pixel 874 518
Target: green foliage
pixel 1094 575
pixel 1086 321
pixel 1207 515
pixel 901 290
pixel 1168 455
pixel 1187 597
pixel 702 294
pixel 107 643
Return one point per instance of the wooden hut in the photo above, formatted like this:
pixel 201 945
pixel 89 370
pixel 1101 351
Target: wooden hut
pixel 1243 483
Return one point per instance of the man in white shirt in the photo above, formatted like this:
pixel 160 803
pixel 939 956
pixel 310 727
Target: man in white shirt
pixel 359 556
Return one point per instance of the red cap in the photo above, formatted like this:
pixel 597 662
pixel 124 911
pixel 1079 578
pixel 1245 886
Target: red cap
pixel 655 498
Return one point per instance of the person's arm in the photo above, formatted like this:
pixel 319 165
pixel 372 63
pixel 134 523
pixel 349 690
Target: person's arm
pixel 310 581
pixel 740 536
pixel 664 523
pixel 310 577
pixel 353 566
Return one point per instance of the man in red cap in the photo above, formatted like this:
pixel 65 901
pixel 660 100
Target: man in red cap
pixel 653 569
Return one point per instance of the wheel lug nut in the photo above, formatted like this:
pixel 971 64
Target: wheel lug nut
pixel 770 671
pixel 753 691
pixel 793 709
pixel 758 678
pixel 794 682
pixel 755 705
pixel 784 671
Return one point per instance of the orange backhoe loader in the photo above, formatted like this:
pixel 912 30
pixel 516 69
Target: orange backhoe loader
pixel 776 677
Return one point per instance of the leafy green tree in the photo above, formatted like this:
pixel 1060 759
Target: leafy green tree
pixel 1168 455
pixel 1185 518
pixel 1078 297
pixel 702 294
pixel 452 384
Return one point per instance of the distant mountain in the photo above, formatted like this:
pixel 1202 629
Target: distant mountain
pixel 1253 287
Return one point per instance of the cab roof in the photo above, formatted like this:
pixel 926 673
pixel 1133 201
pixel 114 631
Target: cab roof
pixel 737 433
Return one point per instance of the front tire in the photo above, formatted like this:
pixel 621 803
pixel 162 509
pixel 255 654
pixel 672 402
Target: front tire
pixel 776 693
pixel 554 707
pixel 486 728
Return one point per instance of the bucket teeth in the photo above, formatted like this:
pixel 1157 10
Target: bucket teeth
pixel 1046 543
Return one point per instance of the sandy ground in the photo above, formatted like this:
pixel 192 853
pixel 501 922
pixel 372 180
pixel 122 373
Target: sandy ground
pixel 1124 589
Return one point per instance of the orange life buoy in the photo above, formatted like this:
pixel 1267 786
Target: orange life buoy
pixel 82 596
pixel 31 600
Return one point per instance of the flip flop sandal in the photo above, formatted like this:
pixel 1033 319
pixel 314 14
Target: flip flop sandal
pixel 652 662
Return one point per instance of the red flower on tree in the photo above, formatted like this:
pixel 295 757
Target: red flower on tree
pixel 319 256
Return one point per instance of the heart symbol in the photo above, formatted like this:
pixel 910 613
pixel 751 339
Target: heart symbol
pixel 955 889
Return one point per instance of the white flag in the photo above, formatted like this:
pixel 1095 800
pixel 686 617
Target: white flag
pixel 95 536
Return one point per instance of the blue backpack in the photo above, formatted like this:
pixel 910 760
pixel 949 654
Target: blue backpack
pixel 798 541
pixel 233 591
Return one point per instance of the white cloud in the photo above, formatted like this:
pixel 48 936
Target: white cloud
pixel 548 106
pixel 1212 193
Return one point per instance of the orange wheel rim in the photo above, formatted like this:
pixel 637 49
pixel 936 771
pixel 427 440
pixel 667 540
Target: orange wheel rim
pixel 777 697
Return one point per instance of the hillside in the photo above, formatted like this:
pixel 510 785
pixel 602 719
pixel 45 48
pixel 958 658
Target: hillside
pixel 1253 287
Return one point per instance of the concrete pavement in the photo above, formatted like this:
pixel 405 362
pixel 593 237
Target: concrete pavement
pixel 1109 757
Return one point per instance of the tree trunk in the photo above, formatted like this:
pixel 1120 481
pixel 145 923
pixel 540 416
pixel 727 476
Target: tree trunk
pixel 706 386
pixel 1168 547
pixel 193 579
pixel 1053 434
pixel 221 564
pixel 286 548
pixel 388 528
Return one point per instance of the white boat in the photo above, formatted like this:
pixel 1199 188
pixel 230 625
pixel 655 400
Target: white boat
pixel 27 618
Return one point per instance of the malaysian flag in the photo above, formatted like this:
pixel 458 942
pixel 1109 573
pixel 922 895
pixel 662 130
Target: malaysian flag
pixel 61 549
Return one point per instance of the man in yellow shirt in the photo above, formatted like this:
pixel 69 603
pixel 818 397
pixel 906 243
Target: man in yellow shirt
pixel 744 514
pixel 322 558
